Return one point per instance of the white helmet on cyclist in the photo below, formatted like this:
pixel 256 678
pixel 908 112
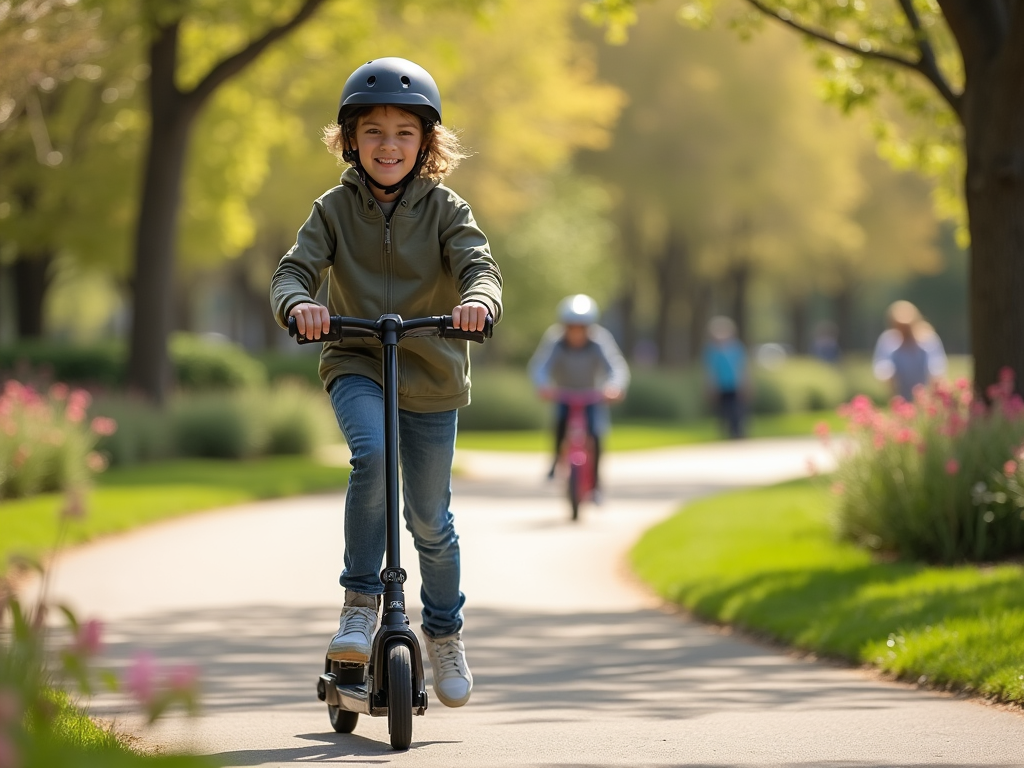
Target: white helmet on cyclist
pixel 579 309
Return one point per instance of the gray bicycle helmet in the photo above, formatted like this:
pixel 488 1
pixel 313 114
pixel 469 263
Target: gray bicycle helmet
pixel 579 309
pixel 392 80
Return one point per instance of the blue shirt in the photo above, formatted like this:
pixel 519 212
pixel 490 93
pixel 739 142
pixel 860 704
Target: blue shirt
pixel 726 364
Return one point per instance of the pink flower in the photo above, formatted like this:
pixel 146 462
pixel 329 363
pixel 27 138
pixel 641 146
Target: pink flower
pixel 140 678
pixel 838 488
pixel 103 425
pixel 1010 468
pixel 74 505
pixel 21 456
pixel 96 461
pixel 821 430
pixel 183 678
pixel 89 640
pixel 952 467
pixel 878 441
pixel 10 706
pixel 8 753
pixel 59 391
pixel 905 435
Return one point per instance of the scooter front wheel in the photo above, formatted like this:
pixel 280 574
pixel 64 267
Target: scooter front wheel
pixel 342 720
pixel 400 696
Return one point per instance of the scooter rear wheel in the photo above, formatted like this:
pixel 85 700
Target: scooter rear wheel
pixel 342 720
pixel 400 696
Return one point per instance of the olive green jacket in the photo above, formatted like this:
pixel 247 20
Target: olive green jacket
pixel 429 258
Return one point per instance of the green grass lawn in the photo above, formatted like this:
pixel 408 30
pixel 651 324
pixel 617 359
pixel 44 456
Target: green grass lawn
pixel 766 560
pixel 126 498
pixel 636 436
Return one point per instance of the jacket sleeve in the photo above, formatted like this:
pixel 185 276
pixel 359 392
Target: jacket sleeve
pixel 618 368
pixel 467 253
pixel 539 366
pixel 301 270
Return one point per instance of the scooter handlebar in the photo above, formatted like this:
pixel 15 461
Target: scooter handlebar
pixel 350 327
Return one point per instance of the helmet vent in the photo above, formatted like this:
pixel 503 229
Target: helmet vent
pixel 371 81
pixel 405 81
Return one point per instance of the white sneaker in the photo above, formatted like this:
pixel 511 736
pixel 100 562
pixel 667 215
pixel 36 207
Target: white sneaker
pixel 453 682
pixel 354 639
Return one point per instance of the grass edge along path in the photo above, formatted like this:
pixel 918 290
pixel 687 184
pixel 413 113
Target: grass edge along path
pixel 766 560
pixel 129 497
pixel 638 436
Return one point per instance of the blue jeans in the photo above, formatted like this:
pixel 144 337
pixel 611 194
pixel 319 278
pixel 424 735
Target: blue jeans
pixel 426 450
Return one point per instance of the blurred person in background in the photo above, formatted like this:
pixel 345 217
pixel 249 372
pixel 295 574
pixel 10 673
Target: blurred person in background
pixel 825 346
pixel 728 379
pixel 578 355
pixel 909 353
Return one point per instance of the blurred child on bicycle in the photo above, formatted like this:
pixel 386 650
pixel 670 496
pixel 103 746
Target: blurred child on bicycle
pixel 392 239
pixel 578 355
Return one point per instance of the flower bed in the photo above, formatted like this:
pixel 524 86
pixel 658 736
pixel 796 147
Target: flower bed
pixel 938 479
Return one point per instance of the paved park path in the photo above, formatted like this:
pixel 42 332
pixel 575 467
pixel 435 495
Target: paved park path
pixel 575 663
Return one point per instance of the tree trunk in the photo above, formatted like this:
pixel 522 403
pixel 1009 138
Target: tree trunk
pixel 798 324
pixel 994 188
pixel 149 370
pixel 32 278
pixel 843 313
pixel 739 279
pixel 700 311
pixel 672 269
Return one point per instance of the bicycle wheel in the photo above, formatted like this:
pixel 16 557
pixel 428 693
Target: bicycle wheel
pixel 400 696
pixel 342 720
pixel 575 490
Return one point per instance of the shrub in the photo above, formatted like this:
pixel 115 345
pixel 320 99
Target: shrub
pixel 204 364
pixel 503 399
pixel 144 432
pixel 939 479
pixel 46 441
pixel 218 425
pixel 299 419
pixel 303 363
pixel 664 395
pixel 100 365
pixel 798 384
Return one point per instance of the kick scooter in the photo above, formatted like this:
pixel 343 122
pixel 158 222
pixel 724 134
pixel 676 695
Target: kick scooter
pixel 392 683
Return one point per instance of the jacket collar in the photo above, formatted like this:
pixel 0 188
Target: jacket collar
pixel 418 188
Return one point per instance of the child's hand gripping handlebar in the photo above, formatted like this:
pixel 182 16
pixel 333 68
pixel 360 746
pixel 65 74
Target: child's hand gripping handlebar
pixel 350 327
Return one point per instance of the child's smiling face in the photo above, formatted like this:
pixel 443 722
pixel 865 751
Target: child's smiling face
pixel 388 140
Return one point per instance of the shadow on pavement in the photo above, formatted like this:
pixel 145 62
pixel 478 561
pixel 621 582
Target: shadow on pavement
pixel 642 664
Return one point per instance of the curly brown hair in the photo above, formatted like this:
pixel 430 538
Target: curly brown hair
pixel 444 152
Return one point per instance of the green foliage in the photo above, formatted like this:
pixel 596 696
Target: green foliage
pixel 939 479
pixel 299 420
pixel 217 425
pixel 303 365
pixel 798 384
pixel 96 365
pixel 664 395
pixel 503 399
pixel 45 441
pixel 768 561
pixel 201 364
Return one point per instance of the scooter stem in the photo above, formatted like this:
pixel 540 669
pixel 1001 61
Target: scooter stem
pixel 390 325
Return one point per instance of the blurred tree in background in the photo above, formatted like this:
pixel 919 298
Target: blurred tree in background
pixel 944 81
pixel 729 172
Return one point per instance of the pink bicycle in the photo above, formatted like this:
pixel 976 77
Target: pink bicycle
pixel 578 451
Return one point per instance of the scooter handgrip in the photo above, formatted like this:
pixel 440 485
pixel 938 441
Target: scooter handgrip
pixel 477 336
pixel 333 335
